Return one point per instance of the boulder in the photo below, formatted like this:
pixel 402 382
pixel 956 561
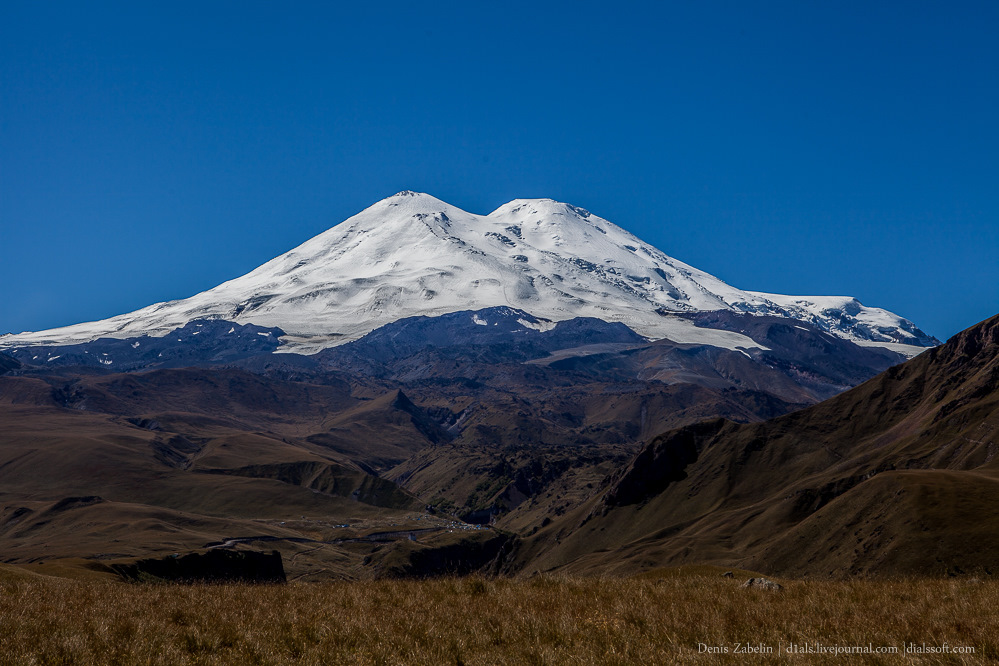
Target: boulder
pixel 763 584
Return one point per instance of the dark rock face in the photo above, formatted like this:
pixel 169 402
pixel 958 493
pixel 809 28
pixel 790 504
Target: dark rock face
pixel 214 566
pixel 200 342
pixel 470 554
pixel 813 358
pixel 660 464
pixel 75 502
pixel 8 363
pixel 514 335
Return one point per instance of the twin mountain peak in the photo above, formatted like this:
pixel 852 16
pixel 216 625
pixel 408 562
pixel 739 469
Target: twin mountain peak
pixel 414 255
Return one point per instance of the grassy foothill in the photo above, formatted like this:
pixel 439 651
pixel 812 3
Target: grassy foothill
pixel 654 619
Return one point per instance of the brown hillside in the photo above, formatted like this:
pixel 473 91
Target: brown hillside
pixel 896 476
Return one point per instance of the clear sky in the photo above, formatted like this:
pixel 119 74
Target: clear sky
pixel 149 151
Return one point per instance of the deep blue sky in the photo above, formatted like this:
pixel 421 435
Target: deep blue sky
pixel 148 153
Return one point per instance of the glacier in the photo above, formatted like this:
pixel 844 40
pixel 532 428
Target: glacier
pixel 412 254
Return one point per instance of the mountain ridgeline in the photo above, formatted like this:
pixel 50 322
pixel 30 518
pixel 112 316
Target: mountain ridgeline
pixel 420 390
pixel 414 255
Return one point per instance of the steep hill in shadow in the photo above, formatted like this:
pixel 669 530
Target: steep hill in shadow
pixel 896 476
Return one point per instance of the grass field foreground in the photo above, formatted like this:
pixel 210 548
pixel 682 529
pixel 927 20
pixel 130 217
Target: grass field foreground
pixel 650 620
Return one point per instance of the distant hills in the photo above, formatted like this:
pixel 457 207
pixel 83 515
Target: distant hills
pixel 404 432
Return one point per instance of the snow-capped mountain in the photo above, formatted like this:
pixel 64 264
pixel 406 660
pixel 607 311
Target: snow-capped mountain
pixel 412 254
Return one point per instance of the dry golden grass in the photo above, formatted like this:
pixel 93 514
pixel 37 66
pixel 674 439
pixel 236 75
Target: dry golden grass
pixel 483 621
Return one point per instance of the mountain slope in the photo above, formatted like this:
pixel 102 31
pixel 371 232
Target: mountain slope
pixel 412 254
pixel 200 342
pixel 896 476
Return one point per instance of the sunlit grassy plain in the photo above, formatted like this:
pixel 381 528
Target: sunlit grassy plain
pixel 545 620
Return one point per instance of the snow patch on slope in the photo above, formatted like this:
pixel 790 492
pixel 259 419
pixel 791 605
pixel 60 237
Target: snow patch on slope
pixel 846 317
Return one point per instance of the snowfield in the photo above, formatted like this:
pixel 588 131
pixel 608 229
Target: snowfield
pixel 412 254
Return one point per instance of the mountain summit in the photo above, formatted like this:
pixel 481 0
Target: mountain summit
pixel 412 254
